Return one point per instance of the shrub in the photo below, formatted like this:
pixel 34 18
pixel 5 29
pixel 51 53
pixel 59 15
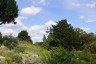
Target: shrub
pixel 9 41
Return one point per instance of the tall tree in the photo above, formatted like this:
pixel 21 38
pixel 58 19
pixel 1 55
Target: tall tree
pixel 64 35
pixel 8 11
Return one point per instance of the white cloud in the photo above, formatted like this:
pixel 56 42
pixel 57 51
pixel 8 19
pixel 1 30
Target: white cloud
pixel 91 5
pixel 82 17
pixel 21 17
pixel 19 25
pixel 36 32
pixel 41 2
pixel 31 11
pixel 8 31
pixel 50 23
pixel 76 4
pixel 91 21
pixel 86 29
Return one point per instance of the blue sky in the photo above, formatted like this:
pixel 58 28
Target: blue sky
pixel 36 15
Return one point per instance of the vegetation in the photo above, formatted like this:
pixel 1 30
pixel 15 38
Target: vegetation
pixel 8 11
pixel 64 45
pixel 23 36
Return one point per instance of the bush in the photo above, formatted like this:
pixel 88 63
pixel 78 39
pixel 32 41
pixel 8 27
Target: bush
pixel 9 41
pixel 63 56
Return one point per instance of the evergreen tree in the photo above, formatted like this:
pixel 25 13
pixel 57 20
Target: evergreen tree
pixel 0 36
pixel 8 11
pixel 64 35
pixel 44 38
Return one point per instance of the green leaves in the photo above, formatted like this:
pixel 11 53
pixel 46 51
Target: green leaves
pixel 63 35
pixel 23 36
pixel 8 11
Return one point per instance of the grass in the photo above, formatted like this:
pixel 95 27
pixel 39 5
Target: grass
pixel 32 53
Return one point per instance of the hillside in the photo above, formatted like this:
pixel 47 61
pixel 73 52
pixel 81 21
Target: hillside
pixel 25 53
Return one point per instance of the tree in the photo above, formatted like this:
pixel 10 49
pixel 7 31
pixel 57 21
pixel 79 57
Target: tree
pixel 79 31
pixel 44 38
pixel 8 11
pixel 64 35
pixel 23 36
pixel 0 38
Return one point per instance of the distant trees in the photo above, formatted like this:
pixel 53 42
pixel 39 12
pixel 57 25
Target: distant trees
pixel 23 36
pixel 8 11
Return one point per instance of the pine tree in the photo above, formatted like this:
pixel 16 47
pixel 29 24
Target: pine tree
pixel 8 11
pixel 44 38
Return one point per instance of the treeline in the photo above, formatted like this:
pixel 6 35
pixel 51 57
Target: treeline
pixel 11 42
pixel 69 45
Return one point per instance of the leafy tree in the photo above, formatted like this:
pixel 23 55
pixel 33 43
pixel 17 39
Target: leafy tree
pixel 87 38
pixel 63 34
pixel 8 11
pixel 79 31
pixel 23 36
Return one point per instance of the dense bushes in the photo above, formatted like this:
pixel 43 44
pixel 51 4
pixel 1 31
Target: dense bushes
pixel 63 56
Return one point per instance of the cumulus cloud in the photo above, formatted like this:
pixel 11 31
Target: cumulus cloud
pixel 19 25
pixel 21 17
pixel 86 29
pixel 31 11
pixel 36 32
pixel 8 31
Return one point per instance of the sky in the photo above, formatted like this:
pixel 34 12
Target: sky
pixel 36 15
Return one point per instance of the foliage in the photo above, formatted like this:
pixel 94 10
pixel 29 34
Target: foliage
pixel 92 47
pixel 0 38
pixel 63 56
pixel 8 11
pixel 23 36
pixel 64 35
pixel 9 41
